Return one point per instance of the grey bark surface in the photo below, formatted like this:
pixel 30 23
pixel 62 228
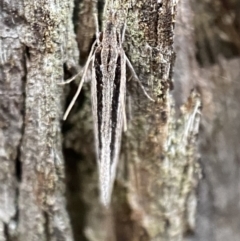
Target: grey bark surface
pixel 218 212
pixel 217 36
pixel 36 41
pixel 217 40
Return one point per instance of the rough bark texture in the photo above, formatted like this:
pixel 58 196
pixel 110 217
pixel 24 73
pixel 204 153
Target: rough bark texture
pixel 217 43
pixel 217 36
pixel 155 194
pixel 37 39
pixel 219 190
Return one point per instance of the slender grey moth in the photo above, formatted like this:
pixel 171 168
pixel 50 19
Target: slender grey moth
pixel 108 90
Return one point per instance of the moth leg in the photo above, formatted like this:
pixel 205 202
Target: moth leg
pixel 70 80
pixel 137 79
pixel 76 75
pixel 97 28
pixel 81 82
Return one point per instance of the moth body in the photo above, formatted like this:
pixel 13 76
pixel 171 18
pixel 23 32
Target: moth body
pixel 108 91
pixel 108 94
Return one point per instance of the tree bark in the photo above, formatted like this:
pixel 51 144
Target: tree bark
pixel 49 191
pixel 37 39
pixel 217 36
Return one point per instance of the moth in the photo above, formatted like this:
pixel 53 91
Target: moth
pixel 108 92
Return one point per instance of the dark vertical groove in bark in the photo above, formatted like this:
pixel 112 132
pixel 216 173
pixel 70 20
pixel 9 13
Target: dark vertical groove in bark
pixel 75 204
pixel 46 226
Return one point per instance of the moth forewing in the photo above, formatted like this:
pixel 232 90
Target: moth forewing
pixel 117 131
pixel 108 90
pixel 104 65
pixel 96 85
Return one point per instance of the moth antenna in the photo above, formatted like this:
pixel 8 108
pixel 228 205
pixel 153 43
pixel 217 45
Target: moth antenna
pixel 81 82
pixel 97 27
pixel 137 79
